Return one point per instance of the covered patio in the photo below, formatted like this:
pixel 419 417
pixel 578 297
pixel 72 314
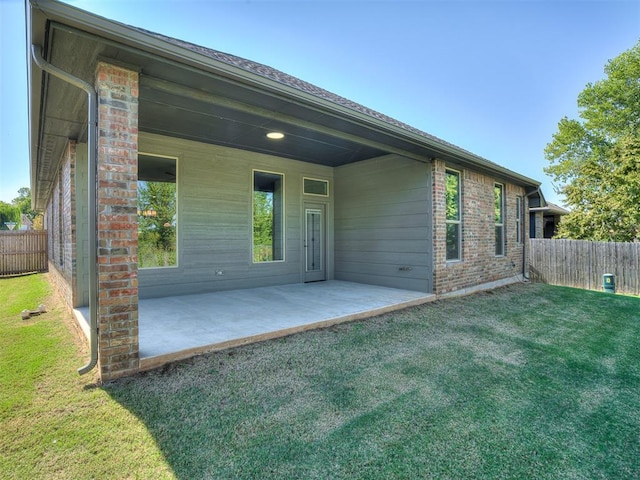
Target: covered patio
pixel 174 328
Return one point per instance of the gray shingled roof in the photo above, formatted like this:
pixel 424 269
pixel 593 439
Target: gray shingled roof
pixel 293 82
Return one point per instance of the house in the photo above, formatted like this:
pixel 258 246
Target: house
pixel 166 168
pixel 25 222
pixel 544 220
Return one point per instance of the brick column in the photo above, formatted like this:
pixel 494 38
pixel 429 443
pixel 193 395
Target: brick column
pixel 539 225
pixel 117 234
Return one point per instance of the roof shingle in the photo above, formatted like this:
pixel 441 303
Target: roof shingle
pixel 290 81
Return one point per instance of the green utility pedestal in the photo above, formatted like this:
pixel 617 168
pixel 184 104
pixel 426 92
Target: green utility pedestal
pixel 609 283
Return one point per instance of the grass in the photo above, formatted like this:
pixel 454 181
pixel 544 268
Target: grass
pixel 55 424
pixel 528 381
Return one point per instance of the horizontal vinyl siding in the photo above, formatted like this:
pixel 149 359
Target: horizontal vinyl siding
pixel 214 219
pixel 382 223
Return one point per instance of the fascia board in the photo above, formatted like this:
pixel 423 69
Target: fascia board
pixel 36 31
pixel 548 209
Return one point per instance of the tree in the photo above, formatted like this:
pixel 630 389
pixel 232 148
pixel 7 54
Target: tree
pixel 23 202
pixel 156 224
pixel 262 226
pixel 9 213
pixel 596 160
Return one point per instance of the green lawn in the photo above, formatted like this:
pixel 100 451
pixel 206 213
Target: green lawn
pixel 55 424
pixel 528 381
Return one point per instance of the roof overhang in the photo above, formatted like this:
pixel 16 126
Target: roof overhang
pixel 551 209
pixel 186 93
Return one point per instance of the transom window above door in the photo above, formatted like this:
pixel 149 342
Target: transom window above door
pixel 313 186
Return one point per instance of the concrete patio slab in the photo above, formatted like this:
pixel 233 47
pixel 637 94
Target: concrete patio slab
pixel 173 328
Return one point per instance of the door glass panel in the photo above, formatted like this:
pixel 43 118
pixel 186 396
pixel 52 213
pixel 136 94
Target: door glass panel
pixel 314 240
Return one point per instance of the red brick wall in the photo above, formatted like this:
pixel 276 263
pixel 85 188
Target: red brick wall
pixel 479 263
pixel 69 218
pixel 117 222
pixel 60 221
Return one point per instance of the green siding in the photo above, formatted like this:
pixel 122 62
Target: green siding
pixel 214 219
pixel 383 232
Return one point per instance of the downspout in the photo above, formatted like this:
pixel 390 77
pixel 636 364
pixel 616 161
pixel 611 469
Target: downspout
pixel 92 134
pixel 524 245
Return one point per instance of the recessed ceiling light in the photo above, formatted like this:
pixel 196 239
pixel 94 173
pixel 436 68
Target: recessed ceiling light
pixel 275 135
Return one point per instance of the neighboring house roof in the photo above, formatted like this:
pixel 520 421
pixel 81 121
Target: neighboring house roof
pixel 328 127
pixel 551 208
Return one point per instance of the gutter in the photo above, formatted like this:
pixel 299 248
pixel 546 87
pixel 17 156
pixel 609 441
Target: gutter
pixel 92 135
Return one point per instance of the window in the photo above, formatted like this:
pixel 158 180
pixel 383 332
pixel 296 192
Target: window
pixel 60 207
pixel 498 191
pixel 313 186
pixel 453 218
pixel 157 212
pixel 268 217
pixel 519 225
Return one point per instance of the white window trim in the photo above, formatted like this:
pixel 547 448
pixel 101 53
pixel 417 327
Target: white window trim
pixel 501 224
pixel 519 217
pixel 284 217
pixel 178 229
pixel 455 222
pixel 317 180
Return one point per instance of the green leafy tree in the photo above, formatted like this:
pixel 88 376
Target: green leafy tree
pixel 157 224
pixel 9 213
pixel 452 191
pixel 23 202
pixel 262 226
pixel 596 160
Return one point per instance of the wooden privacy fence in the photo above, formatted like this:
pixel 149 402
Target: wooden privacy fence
pixel 581 263
pixel 23 252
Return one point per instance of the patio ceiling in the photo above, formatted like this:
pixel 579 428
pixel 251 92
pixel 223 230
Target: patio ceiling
pixel 196 114
pixel 181 101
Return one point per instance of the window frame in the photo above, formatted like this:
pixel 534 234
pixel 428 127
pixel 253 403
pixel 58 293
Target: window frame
pixel 457 222
pixel 326 182
pixel 60 221
pixel 499 224
pixel 519 217
pixel 177 209
pixel 282 214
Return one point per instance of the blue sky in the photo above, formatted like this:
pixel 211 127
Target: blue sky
pixel 493 77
